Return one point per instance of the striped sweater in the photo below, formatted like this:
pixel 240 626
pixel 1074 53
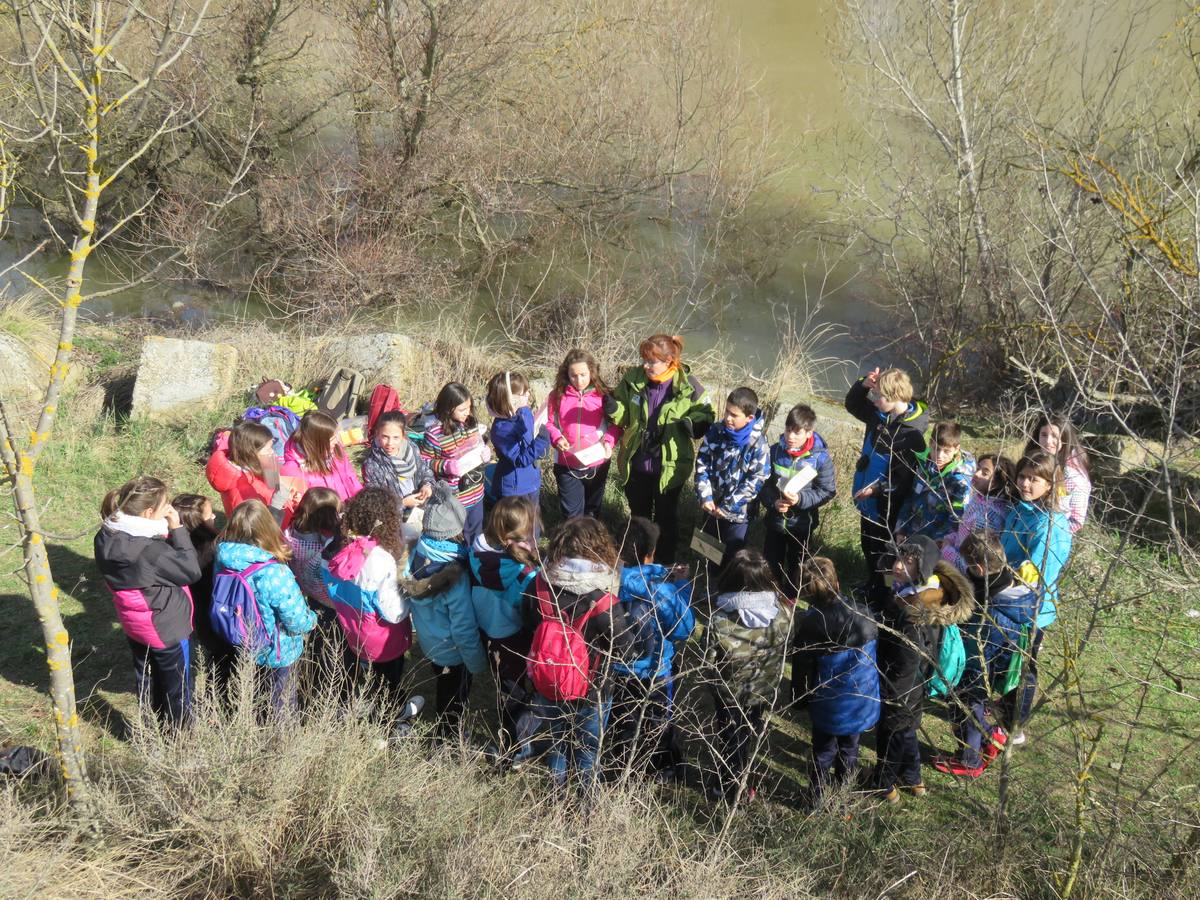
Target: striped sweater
pixel 438 447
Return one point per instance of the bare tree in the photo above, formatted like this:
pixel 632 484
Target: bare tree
pixel 80 71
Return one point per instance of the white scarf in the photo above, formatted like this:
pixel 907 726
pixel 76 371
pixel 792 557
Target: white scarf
pixel 137 526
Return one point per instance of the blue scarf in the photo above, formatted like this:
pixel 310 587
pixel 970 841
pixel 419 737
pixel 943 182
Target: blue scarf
pixel 741 436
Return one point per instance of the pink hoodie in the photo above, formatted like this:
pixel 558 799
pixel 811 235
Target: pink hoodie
pixel 343 480
pixel 580 419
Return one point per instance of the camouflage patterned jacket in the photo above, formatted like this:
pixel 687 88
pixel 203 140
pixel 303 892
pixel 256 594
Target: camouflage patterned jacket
pixel 747 645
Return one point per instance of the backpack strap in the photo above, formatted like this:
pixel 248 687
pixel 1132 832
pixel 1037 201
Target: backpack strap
pixel 546 606
pixel 602 604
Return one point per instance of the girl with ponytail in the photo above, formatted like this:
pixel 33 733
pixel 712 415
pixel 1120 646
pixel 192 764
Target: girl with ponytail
pixel 147 560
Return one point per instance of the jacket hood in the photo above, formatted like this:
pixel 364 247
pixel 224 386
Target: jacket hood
pixel 348 562
pixel 238 556
pixel 493 568
pixel 916 417
pixel 952 603
pixel 440 581
pixel 754 609
pixel 582 576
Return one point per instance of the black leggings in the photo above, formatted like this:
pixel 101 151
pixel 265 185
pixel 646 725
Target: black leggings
pixel 662 507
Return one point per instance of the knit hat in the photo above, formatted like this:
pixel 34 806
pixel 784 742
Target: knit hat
pixel 925 551
pixel 444 515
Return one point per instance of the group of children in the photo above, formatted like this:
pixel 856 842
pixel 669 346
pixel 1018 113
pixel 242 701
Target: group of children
pixel 579 632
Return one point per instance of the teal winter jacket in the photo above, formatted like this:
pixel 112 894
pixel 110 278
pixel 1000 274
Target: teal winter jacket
pixel 280 602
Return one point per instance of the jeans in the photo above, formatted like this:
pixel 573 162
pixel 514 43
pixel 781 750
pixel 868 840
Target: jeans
pixel 473 526
pixel 642 729
pixel 899 755
pixel 165 679
pixel 876 542
pixel 581 491
pixel 661 507
pixel 732 534
pixel 577 731
pixel 971 730
pixel 384 677
pixel 784 550
pixel 739 727
pixel 1018 703
pixel 832 753
pixel 507 657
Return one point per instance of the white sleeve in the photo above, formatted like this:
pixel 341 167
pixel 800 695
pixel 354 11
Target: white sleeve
pixel 379 574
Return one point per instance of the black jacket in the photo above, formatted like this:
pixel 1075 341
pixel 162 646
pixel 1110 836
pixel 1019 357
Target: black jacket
pixel 910 637
pixel 147 577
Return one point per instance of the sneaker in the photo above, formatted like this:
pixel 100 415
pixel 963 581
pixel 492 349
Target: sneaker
pixel 992 748
pixel 1017 739
pixel 953 766
pixel 412 708
pixel 917 790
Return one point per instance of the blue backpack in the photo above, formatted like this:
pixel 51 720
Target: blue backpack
pixel 234 614
pixel 279 420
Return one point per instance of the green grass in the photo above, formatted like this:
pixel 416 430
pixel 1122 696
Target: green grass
pixel 1134 686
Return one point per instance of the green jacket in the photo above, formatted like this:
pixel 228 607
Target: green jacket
pixel 682 420
pixel 749 658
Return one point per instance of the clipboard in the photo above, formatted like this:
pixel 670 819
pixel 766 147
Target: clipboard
pixel 708 546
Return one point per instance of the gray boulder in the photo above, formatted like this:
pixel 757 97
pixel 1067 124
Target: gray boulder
pixel 177 376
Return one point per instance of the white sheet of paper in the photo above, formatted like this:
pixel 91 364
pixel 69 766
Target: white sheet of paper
pixel 590 455
pixel 542 416
pixel 799 481
pixel 470 460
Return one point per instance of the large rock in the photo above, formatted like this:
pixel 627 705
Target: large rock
pixel 384 358
pixel 177 376
pixel 24 369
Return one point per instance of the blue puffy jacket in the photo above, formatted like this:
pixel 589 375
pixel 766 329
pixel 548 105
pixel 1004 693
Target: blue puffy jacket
pixel 890 454
pixel 992 635
pixel 834 668
pixel 660 613
pixel 1041 538
pixel 803 516
pixel 498 592
pixel 444 617
pixel 519 446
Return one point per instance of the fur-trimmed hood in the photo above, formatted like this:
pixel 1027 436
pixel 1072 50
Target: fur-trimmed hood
pixel 951 602
pixel 441 580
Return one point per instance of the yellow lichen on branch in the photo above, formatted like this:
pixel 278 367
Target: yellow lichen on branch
pixel 1147 220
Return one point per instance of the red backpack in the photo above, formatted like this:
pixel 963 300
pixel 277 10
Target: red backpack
pixel 559 663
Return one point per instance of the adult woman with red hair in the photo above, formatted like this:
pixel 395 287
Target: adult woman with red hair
pixel 663 410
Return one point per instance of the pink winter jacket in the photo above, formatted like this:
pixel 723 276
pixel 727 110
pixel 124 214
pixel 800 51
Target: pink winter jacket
pixel 343 480
pixel 580 419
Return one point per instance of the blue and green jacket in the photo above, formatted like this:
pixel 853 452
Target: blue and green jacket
pixel 803 516
pixel 891 451
pixel 939 497
pixel 993 633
